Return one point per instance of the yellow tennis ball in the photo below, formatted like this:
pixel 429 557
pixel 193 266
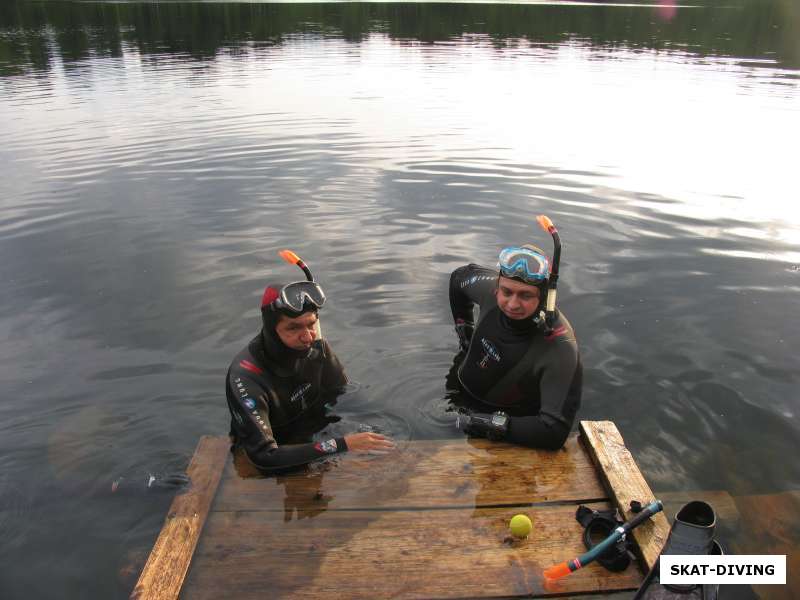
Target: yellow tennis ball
pixel 520 525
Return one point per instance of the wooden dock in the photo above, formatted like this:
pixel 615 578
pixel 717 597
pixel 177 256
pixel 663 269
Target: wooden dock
pixel 427 521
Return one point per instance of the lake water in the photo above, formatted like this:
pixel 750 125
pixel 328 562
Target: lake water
pixel 155 157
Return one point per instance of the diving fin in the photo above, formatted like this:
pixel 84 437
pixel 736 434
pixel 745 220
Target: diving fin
pixel 692 533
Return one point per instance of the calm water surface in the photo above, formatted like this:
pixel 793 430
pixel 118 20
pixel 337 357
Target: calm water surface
pixel 155 157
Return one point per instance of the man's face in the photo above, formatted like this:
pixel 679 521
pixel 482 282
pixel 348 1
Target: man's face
pixel 297 332
pixel 517 300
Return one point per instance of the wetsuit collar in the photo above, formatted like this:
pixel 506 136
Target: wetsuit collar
pixel 522 325
pixel 269 348
pixel 273 354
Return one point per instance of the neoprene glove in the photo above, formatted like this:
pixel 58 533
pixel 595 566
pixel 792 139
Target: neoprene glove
pixel 464 331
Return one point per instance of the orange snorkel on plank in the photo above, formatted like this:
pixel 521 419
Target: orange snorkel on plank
pixel 569 566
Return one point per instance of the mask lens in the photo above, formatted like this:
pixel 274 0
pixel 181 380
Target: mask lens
pixel 295 295
pixel 525 264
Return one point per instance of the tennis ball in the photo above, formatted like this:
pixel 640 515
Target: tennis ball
pixel 520 525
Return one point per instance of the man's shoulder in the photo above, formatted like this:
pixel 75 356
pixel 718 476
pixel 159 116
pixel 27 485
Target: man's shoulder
pixel 473 268
pixel 472 275
pixel 561 339
pixel 244 363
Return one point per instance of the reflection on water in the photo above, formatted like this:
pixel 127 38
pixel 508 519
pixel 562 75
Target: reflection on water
pixel 155 158
pixel 304 498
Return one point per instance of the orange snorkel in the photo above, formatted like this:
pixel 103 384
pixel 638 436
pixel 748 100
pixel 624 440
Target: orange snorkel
pixel 550 306
pixel 292 258
pixel 569 566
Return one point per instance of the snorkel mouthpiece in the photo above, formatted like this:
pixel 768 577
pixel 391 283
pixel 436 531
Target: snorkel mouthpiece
pixel 292 258
pixel 550 307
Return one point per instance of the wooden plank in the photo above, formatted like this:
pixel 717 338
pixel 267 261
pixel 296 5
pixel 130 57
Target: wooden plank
pixel 624 482
pixel 431 553
pixel 424 474
pixel 164 572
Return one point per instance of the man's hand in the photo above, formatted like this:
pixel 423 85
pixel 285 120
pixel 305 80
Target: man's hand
pixel 361 443
pixel 464 331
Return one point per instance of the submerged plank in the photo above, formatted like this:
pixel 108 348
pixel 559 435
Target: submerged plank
pixel 430 553
pixel 424 474
pixel 428 521
pixel 624 483
pixel 771 523
pixel 164 572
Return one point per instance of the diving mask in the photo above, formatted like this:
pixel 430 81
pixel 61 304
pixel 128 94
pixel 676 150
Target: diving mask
pixel 294 296
pixel 525 264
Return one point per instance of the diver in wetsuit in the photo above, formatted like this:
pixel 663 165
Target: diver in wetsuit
pixel 520 365
pixel 277 387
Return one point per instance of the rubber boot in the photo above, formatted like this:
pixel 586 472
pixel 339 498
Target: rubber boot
pixel 693 530
pixel 711 590
pixel 692 533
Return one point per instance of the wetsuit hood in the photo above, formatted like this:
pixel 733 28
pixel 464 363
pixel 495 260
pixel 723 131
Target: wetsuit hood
pixel 268 345
pixel 535 321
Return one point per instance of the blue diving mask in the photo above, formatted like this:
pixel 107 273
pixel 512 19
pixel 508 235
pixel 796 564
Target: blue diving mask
pixel 525 264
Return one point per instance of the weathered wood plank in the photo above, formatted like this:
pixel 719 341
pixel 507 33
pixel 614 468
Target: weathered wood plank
pixel 431 553
pixel 624 482
pixel 422 474
pixel 164 572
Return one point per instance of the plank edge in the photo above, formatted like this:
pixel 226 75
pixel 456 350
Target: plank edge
pixel 173 550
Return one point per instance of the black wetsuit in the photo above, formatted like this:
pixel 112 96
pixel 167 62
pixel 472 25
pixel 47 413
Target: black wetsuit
pixel 543 401
pixel 276 395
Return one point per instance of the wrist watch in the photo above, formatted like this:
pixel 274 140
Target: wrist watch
pixel 498 425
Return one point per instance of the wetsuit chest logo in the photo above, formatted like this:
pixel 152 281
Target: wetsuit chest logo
pixel 299 393
pixel 490 352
